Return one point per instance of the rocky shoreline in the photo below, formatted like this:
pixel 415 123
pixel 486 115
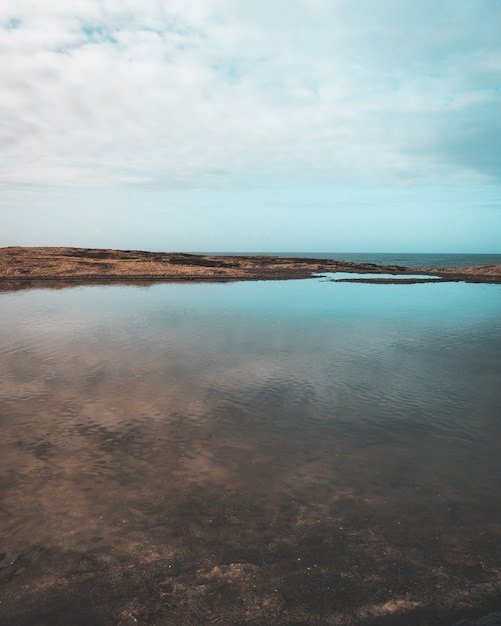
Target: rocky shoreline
pixel 28 266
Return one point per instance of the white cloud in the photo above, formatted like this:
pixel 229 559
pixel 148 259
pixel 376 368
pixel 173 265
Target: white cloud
pixel 210 92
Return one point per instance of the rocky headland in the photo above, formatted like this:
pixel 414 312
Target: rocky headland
pixel 23 266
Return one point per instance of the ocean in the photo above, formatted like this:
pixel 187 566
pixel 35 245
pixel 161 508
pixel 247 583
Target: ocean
pixel 393 258
pixel 283 452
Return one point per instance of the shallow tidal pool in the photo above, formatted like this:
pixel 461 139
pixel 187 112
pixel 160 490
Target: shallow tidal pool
pixel 284 452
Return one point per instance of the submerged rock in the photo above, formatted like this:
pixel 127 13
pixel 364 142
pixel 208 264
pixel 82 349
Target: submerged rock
pixel 493 619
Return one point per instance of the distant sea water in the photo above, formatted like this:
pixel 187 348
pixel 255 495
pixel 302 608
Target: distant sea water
pixel 390 258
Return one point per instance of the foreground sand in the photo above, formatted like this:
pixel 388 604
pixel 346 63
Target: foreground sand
pixel 26 264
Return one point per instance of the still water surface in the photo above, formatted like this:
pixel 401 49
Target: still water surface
pixel 290 452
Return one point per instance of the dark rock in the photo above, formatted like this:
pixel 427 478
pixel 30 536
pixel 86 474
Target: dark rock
pixel 493 619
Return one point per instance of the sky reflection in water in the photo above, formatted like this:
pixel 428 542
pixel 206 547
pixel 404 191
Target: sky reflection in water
pixel 318 449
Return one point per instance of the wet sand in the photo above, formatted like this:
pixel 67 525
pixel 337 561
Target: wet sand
pixel 21 265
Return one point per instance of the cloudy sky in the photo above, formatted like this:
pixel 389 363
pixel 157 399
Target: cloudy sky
pixel 244 125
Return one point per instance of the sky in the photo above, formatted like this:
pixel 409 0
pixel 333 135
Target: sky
pixel 244 125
